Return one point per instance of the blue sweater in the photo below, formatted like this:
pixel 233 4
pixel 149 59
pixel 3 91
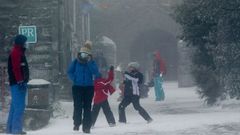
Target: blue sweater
pixel 83 74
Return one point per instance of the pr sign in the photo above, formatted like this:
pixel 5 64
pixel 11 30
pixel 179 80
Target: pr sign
pixel 30 32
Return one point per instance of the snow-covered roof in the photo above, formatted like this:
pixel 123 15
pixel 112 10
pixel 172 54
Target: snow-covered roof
pixel 106 40
pixel 38 82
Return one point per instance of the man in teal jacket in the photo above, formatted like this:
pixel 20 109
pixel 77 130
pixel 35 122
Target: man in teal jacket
pixel 82 72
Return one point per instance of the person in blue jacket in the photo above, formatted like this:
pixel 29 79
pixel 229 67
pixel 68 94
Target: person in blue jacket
pixel 82 72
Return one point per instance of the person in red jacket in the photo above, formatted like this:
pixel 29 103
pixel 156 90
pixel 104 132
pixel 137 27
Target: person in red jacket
pixel 159 69
pixel 103 89
pixel 18 73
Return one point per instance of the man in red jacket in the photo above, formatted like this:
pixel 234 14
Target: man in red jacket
pixel 103 89
pixel 18 73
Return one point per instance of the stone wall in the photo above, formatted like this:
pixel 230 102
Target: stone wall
pixel 8 26
pixel 41 13
pixel 57 23
pixel 43 55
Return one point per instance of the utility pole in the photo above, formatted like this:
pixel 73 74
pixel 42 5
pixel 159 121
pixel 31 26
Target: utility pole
pixel 60 70
pixel 86 28
pixel 74 45
pixel 86 34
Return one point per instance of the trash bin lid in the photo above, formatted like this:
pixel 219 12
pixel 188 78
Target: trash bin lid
pixel 38 82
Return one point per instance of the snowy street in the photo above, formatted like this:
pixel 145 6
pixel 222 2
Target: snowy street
pixel 182 113
pixel 74 67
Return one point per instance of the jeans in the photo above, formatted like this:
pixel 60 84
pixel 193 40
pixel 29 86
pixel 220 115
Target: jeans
pixel 17 107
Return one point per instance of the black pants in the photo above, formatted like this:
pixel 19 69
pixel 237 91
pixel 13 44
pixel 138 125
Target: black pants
pixel 82 99
pixel 136 104
pixel 106 110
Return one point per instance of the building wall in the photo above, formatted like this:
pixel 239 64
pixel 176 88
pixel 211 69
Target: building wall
pixel 41 13
pixel 57 32
pixel 9 23
pixel 69 42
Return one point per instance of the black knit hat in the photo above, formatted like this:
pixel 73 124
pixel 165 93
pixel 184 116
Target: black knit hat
pixel 20 40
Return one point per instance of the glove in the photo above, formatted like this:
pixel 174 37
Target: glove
pixel 111 68
pixel 21 85
pixel 89 58
pixel 161 75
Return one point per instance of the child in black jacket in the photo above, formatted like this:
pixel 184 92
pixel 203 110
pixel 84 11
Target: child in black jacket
pixel 132 79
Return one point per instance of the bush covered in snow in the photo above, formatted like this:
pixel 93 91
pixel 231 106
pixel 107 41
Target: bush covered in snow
pixel 212 27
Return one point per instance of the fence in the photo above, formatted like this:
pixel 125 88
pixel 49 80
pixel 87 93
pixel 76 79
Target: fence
pixel 4 95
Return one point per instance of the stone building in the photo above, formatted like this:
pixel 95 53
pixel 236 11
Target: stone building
pixel 58 28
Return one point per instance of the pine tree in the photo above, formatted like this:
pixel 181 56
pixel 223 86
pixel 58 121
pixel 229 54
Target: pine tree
pixel 212 27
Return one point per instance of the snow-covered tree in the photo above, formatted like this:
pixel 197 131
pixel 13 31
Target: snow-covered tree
pixel 212 27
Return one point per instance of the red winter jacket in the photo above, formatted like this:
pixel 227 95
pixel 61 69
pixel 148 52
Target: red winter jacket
pixel 103 88
pixel 159 64
pixel 18 70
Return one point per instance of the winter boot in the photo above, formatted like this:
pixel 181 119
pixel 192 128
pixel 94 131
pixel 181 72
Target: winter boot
pixel 112 124
pixel 76 128
pixel 150 121
pixel 87 131
pixel 21 133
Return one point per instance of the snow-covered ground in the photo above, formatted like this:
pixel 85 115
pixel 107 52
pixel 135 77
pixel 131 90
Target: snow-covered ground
pixel 182 113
